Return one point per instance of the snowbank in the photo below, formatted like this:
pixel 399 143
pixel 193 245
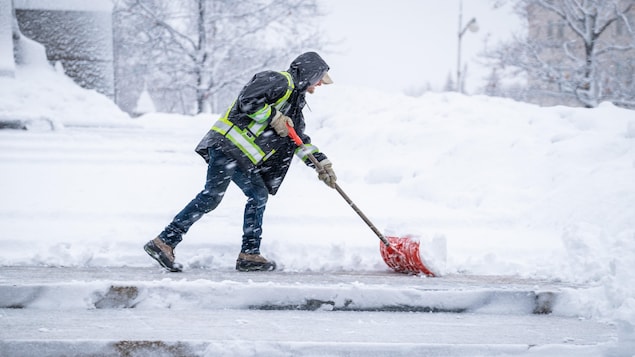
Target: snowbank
pixel 41 94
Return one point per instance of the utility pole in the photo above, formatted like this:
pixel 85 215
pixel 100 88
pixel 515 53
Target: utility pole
pixel 472 25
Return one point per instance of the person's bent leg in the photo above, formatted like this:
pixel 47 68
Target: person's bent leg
pixel 219 174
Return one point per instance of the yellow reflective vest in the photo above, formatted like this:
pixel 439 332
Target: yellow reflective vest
pixel 247 138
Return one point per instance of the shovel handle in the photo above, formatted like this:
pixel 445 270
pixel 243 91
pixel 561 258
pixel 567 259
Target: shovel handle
pixel 298 141
pixel 294 136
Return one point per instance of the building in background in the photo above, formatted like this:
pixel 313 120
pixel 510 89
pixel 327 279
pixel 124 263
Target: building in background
pixel 77 34
pixel 564 53
pixel 7 63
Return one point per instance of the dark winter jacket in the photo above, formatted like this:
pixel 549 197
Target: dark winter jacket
pixel 251 113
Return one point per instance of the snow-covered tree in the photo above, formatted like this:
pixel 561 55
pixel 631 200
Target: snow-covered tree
pixel 200 52
pixel 449 84
pixel 575 51
pixel 493 85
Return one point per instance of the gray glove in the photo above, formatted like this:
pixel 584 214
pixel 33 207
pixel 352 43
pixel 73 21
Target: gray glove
pixel 279 124
pixel 327 175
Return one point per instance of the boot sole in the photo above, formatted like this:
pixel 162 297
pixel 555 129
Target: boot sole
pixel 246 266
pixel 156 254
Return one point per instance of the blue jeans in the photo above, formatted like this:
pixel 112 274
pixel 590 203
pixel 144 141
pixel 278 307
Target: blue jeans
pixel 220 172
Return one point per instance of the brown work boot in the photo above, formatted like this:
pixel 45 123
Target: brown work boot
pixel 254 262
pixel 162 253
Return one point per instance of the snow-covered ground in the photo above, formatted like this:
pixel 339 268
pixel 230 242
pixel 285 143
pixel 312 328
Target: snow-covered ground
pixel 490 186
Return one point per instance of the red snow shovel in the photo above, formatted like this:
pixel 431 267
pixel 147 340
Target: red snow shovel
pixel 401 254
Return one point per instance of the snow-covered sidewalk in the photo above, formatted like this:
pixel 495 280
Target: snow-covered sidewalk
pixel 49 288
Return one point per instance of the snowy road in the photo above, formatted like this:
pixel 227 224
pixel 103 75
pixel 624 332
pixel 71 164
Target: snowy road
pixel 293 333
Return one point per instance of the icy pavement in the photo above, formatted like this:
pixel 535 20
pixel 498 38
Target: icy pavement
pixel 145 312
pixel 291 333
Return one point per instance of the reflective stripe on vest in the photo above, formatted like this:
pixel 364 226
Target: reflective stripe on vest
pixel 283 101
pixel 244 139
pixel 262 115
pixel 303 153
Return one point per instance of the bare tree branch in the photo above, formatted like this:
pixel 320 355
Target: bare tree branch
pixel 206 49
pixel 591 62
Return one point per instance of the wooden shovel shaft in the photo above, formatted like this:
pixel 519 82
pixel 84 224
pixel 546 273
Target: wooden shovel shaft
pixel 298 141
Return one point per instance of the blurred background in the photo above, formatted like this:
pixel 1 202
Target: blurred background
pixel 193 56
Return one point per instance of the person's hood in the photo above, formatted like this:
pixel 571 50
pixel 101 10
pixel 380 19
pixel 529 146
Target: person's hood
pixel 307 69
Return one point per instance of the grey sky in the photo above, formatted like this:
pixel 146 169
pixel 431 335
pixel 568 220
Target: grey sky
pixel 401 44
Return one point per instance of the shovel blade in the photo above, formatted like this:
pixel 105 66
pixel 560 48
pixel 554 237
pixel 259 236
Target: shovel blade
pixel 402 255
